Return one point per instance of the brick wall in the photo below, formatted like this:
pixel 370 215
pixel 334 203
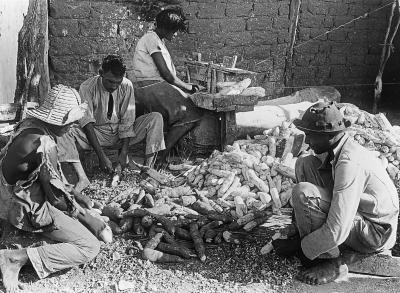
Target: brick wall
pixel 258 31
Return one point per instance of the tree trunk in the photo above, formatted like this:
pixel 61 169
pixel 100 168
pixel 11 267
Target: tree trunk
pixel 32 62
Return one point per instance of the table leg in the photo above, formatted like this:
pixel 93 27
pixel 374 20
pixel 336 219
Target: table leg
pixel 228 128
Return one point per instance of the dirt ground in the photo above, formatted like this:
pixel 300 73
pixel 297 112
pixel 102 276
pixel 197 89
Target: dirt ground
pixel 228 268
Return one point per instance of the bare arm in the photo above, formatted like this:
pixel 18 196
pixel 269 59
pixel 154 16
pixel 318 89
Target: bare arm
pixel 166 73
pixel 105 163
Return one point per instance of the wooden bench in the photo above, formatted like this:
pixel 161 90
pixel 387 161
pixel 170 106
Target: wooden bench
pixel 208 75
pixel 225 107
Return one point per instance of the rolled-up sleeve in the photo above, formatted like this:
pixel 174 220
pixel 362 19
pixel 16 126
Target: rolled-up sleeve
pixel 127 113
pixel 87 96
pixel 348 187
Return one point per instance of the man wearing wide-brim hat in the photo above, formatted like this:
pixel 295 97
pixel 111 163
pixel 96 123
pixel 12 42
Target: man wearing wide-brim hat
pixel 347 200
pixel 35 196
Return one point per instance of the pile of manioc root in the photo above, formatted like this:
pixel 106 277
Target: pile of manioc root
pixel 247 185
pixel 238 189
pixel 377 134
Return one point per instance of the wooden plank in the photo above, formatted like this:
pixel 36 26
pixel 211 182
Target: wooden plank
pixel 223 73
pixel 226 109
pixel 373 264
pixel 244 108
pixel 219 102
pixel 213 81
pixel 228 135
pixel 229 62
pixel 203 100
pixel 225 101
pixel 209 79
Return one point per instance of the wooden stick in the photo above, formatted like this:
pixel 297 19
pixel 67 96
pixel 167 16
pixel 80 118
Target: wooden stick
pixel 386 51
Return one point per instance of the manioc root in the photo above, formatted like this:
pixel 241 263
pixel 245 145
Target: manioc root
pixel 175 250
pixel 158 256
pixel 126 224
pixel 198 241
pixel 210 235
pixel 154 241
pixel 137 227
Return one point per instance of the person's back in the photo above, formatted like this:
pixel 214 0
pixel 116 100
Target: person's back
pixel 34 196
pixel 371 165
pixel 379 201
pixel 144 67
pixel 22 157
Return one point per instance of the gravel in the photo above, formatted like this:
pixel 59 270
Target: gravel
pixel 228 268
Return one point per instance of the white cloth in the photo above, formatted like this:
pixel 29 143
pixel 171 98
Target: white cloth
pixel 93 92
pixel 143 64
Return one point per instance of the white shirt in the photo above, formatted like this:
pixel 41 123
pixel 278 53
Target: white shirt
pixel 144 67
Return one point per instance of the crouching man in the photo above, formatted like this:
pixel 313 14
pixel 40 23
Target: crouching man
pixel 348 200
pixel 110 122
pixel 35 197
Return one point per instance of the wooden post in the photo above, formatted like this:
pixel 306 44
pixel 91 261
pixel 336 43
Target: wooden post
pixel 386 52
pixel 228 128
pixel 213 81
pixel 294 20
pixel 209 74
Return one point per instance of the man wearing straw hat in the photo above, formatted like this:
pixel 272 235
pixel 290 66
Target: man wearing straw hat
pixel 347 200
pixel 110 121
pixel 35 197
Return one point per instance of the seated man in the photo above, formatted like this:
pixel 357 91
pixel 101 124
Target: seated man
pixel 348 199
pixel 35 197
pixel 110 122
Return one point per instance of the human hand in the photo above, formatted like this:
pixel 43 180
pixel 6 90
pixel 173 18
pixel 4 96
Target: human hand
pixel 195 88
pixel 82 199
pixel 95 224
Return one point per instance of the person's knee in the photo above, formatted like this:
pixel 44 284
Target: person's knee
pixel 91 249
pixel 300 194
pixel 155 117
pixel 155 120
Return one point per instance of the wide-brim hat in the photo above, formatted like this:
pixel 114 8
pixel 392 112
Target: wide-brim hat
pixel 61 106
pixel 322 117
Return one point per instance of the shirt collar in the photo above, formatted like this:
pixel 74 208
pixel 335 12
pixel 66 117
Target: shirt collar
pixel 333 155
pixel 338 148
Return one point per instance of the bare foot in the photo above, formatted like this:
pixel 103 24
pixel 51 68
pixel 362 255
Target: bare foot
pixel 82 184
pixel 11 261
pixel 323 273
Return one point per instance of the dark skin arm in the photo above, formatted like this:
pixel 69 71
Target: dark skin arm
pixel 167 75
pixel 105 163
pixel 22 158
pixel 123 154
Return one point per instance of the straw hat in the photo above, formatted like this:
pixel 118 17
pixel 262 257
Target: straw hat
pixel 62 106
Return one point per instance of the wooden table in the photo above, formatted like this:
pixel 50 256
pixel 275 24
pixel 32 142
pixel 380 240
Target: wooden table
pixel 225 107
